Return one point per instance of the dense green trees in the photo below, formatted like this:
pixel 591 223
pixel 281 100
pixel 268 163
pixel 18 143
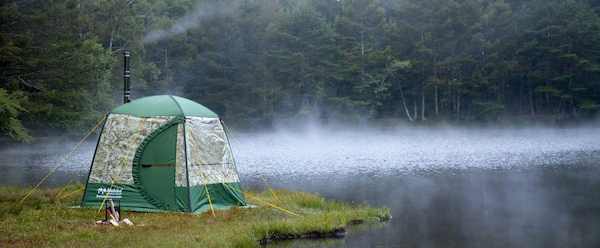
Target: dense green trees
pixel 330 60
pixel 61 72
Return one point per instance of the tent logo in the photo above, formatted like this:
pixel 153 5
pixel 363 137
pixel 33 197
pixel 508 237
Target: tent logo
pixel 114 193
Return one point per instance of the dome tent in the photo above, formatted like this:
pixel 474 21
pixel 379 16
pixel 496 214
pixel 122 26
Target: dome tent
pixel 163 153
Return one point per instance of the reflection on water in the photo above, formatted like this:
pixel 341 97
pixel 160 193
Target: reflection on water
pixel 446 188
pixel 501 208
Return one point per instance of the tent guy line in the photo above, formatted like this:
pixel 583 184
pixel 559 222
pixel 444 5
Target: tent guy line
pixel 252 163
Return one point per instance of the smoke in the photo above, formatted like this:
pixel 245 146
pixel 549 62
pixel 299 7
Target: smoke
pixel 192 20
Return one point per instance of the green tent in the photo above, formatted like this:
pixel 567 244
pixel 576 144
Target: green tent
pixel 163 153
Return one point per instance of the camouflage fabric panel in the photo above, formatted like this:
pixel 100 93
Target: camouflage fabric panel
pixel 209 156
pixel 117 136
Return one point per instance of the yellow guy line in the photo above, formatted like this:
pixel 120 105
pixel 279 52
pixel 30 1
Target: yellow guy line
pixel 122 163
pixel 61 162
pixel 67 195
pixel 252 163
pixel 258 199
pixel 200 169
pixel 70 181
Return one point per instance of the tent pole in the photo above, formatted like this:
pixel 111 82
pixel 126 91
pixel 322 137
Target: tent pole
pixel 93 157
pixel 187 173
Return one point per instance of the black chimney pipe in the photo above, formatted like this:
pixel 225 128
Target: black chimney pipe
pixel 126 77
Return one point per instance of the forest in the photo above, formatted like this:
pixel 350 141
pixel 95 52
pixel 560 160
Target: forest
pixel 258 62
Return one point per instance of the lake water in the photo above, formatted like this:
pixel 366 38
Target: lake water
pixel 445 187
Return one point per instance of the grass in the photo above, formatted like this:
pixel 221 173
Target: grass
pixel 42 220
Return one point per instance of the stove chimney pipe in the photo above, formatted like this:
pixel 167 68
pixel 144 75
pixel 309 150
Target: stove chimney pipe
pixel 126 77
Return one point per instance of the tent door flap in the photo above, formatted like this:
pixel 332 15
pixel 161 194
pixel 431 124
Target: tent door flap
pixel 157 168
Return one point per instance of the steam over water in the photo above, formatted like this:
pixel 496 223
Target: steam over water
pixel 445 187
pixel 29 164
pixel 381 153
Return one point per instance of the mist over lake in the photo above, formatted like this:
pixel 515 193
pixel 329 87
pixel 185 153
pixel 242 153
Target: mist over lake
pixel 379 153
pixel 451 187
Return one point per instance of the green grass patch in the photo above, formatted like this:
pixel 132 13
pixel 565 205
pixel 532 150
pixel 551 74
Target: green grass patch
pixel 44 220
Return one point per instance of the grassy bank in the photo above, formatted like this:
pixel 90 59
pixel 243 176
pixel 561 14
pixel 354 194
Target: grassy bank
pixel 42 220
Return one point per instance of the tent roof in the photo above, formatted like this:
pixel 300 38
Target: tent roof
pixel 164 105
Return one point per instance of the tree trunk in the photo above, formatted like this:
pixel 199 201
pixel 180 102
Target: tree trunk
pixel 112 35
pixel 404 101
pixel 265 99
pixel 415 112
pixel 114 26
pixel 499 89
pixel 547 94
pixel 362 50
pixel 450 96
pixel 531 98
pixel 521 95
pixel 435 89
pixel 458 105
pixel 166 60
pixel 79 19
pixel 561 108
pixel 423 102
